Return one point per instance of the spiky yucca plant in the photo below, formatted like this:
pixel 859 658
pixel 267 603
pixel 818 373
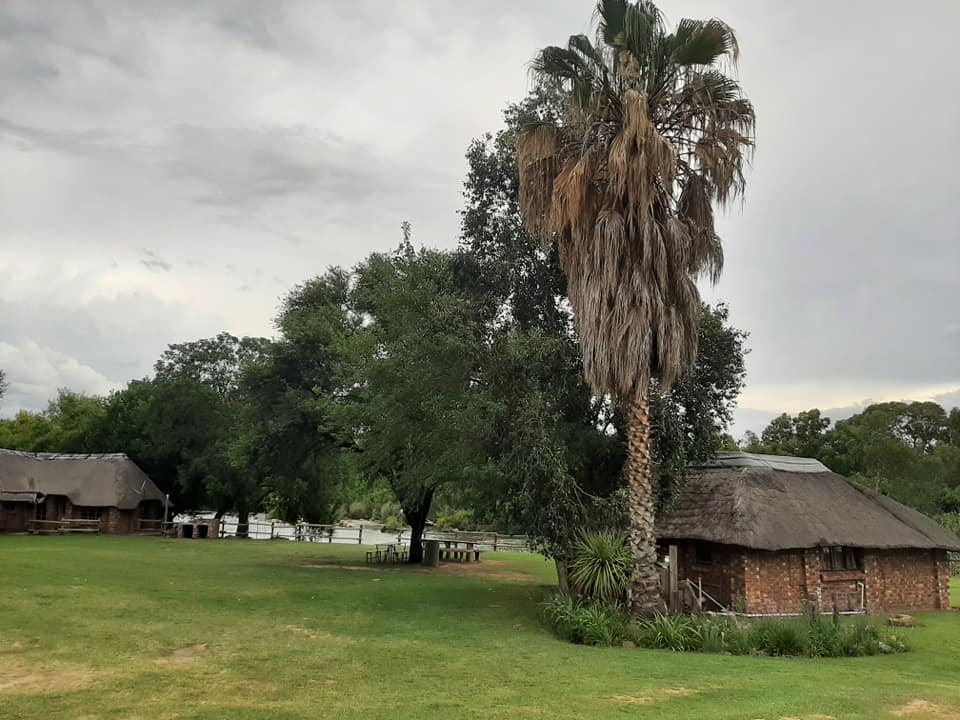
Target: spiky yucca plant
pixel 653 134
pixel 601 566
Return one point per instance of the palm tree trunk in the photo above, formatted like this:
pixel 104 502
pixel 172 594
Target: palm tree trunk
pixel 644 598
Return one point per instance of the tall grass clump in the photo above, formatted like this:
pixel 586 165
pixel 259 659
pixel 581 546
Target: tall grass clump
pixel 584 623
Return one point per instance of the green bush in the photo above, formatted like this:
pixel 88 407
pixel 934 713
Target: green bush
pixel 776 637
pixel 591 623
pixel 358 510
pixel 454 520
pixel 392 524
pixel 388 509
pixel 601 566
pixel 670 632
pixel 584 623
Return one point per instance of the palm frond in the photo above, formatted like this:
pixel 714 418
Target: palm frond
pixel 702 42
pixel 653 135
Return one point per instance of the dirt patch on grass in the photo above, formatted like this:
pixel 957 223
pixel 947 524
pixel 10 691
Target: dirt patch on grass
pixel 919 709
pixel 12 648
pixel 24 678
pixel 487 570
pixel 184 656
pixel 319 635
pixel 335 566
pixel 654 696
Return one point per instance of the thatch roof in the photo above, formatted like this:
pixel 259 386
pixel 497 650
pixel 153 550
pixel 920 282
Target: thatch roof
pixel 774 503
pixel 86 480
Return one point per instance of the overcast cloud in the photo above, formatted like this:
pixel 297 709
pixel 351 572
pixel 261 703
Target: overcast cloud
pixel 170 169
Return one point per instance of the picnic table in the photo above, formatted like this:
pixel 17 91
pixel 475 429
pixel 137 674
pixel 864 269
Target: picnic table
pixel 459 550
pixel 389 552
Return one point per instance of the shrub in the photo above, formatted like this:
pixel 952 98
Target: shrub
pixel 670 632
pixel 724 635
pixel 584 623
pixel 454 520
pixel 776 637
pixel 358 510
pixel 388 509
pixel 588 622
pixel 392 524
pixel 601 566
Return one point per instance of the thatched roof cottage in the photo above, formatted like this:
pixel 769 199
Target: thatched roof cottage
pixel 41 490
pixel 769 535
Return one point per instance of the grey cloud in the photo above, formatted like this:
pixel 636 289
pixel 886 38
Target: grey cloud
pixel 152 261
pixel 290 136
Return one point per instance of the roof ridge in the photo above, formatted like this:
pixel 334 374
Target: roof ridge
pixel 65 456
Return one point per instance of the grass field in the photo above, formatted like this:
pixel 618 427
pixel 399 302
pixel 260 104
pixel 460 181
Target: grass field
pixel 100 627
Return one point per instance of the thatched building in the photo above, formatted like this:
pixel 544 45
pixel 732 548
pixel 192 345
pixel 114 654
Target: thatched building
pixel 41 490
pixel 763 534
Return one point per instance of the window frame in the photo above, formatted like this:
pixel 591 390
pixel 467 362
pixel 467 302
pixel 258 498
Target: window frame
pixel 841 558
pixel 703 554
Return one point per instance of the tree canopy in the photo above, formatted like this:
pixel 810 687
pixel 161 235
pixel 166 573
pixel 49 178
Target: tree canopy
pixel 907 450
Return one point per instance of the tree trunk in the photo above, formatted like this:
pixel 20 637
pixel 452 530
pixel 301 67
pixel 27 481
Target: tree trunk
pixel 243 521
pixel 416 517
pixel 644 596
pixel 563 576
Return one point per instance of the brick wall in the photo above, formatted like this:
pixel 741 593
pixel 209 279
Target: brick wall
pixel 776 582
pixel 892 581
pixel 756 581
pixel 904 580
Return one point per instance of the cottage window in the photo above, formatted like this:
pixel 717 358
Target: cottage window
pixel 89 514
pixel 703 554
pixel 41 511
pixel 842 558
pixel 10 507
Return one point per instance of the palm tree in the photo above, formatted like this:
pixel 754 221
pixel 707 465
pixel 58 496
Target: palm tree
pixel 653 133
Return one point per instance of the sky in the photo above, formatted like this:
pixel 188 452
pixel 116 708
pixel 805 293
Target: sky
pixel 170 170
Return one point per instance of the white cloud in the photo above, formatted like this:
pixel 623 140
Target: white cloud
pixel 35 373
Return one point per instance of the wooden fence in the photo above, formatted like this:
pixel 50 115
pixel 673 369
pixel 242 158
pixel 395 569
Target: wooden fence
pixel 60 527
pixel 155 527
pixel 301 532
pixel 484 540
pixel 309 532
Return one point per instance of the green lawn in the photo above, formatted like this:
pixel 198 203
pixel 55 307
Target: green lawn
pixel 99 627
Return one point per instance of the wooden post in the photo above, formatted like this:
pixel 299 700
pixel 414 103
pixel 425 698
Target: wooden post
pixel 674 594
pixel 494 542
pixel 272 528
pixel 360 536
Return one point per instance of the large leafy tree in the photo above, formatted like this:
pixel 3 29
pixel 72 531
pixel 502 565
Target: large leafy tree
pixel 289 436
pixel 197 408
pixel 414 404
pixel 652 134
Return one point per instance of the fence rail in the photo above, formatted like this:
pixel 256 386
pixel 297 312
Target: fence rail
pixel 301 532
pixel 158 527
pixel 310 532
pixel 44 527
pixel 484 540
